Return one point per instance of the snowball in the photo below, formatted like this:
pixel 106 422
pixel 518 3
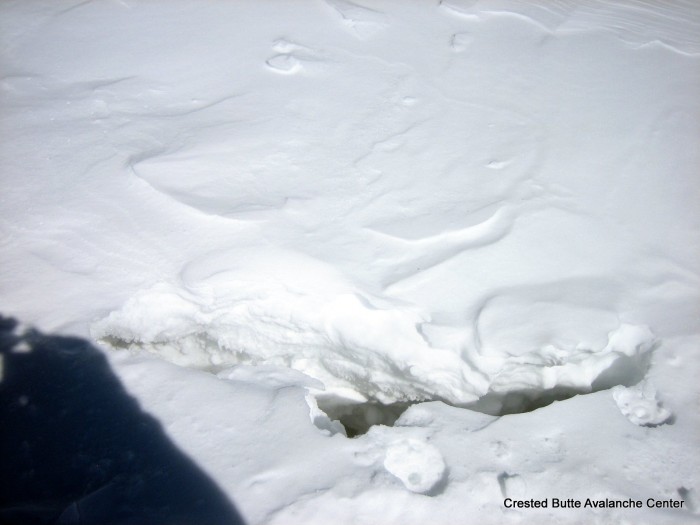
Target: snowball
pixel 640 406
pixel 417 464
pixel 631 340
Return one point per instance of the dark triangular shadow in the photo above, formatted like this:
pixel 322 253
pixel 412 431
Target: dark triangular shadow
pixel 75 448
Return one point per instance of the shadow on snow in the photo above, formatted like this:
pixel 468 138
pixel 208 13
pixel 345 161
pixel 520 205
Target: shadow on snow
pixel 76 449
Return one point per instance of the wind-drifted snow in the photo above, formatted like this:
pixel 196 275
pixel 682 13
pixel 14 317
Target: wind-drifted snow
pixel 361 206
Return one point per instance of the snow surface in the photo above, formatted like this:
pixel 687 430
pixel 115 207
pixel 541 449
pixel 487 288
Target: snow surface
pixel 274 214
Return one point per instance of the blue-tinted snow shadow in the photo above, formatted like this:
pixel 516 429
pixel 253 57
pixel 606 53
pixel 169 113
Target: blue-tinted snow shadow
pixel 75 448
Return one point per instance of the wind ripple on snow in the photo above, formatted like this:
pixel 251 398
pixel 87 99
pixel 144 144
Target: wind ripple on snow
pixel 673 24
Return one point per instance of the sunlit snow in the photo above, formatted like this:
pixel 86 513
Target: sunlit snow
pixel 373 261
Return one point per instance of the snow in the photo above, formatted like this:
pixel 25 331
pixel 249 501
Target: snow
pixel 417 464
pixel 466 229
pixel 640 405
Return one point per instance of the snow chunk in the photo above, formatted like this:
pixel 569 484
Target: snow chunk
pixel 270 376
pixel 347 339
pixel 321 420
pixel 417 464
pixel 631 340
pixel 622 361
pixel 640 405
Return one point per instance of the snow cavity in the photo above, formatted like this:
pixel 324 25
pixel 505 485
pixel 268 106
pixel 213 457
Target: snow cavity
pixel 365 358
